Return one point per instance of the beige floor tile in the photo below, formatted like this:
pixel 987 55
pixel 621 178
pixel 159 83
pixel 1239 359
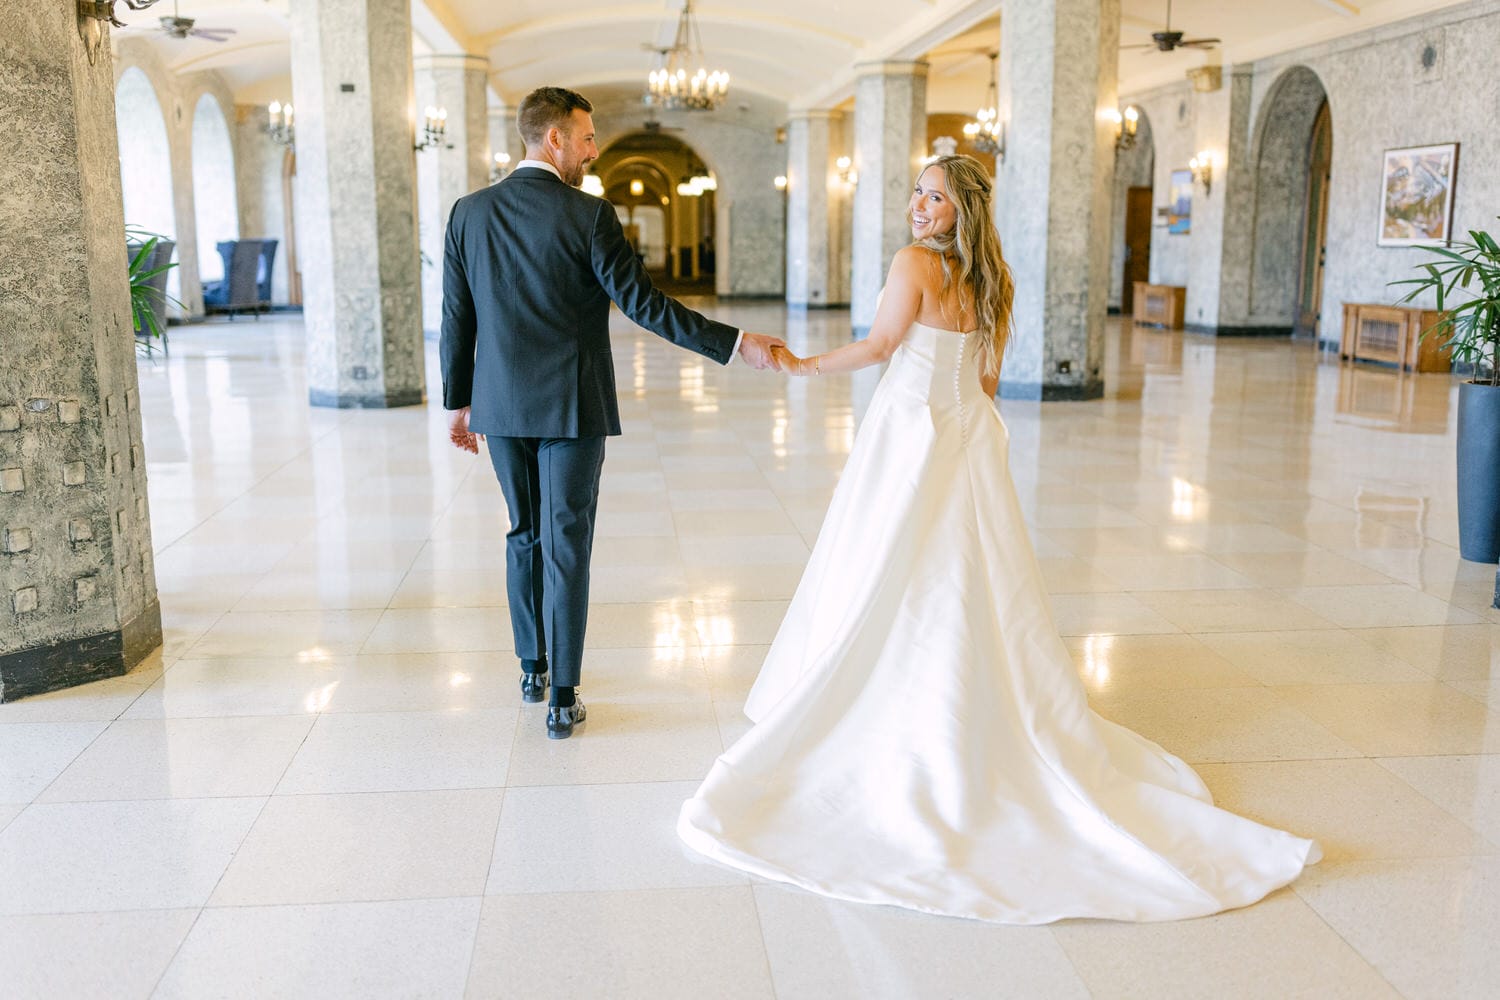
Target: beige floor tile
pixel 742 550
pixel 1427 926
pixel 451 588
pixel 292 591
pixel 1107 614
pixel 656 674
pixel 1468 787
pixel 717 584
pixel 619 743
pixel 1125 663
pixel 827 948
pixel 1486 692
pixel 75 857
pixel 440 630
pixel 285 633
pixel 126 952
pixel 183 759
pixel 1318 656
pixel 1205 725
pixel 100 700
pixel 232 686
pixel 1380 606
pixel 372 846
pixel 767 521
pixel 1188 571
pixel 403 751
pixel 1309 568
pixel 9 811
pixel 631 585
pixel 355 950
pixel 1355 809
pixel 1276 948
pixel 33 754
pixel 1072 575
pixel 1230 610
pixel 732 670
pixel 1399 720
pixel 1447 652
pixel 661 945
pixel 418 682
pixel 738 623
pixel 641 625
pixel 596 838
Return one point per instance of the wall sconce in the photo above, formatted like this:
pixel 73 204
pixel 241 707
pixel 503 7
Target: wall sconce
pixel 693 187
pixel 434 129
pixel 637 188
pixel 280 127
pixel 93 16
pixel 1126 125
pixel 1202 167
pixel 500 167
pixel 780 183
pixel 846 172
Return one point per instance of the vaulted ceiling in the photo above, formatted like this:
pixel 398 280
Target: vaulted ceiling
pixel 798 52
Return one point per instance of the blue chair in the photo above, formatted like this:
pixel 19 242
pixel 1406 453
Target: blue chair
pixel 246 285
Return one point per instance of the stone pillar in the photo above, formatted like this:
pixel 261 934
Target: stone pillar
pixel 1058 62
pixel 890 139
pixel 446 173
pixel 503 135
pixel 1223 237
pixel 356 203
pixel 814 203
pixel 77 587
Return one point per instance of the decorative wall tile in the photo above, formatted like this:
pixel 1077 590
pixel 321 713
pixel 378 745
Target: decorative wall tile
pixel 12 480
pixel 84 588
pixel 68 411
pixel 24 601
pixel 10 418
pixel 80 530
pixel 74 474
pixel 17 540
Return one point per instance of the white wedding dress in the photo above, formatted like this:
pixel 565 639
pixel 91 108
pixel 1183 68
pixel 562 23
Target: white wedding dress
pixel 922 737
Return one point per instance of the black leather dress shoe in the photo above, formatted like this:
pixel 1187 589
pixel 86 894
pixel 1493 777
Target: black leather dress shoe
pixel 533 683
pixel 560 721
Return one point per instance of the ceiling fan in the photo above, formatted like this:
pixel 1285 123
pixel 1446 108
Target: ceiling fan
pixel 181 27
pixel 1168 40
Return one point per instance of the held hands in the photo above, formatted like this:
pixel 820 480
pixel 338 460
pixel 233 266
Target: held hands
pixel 788 362
pixel 458 431
pixel 757 348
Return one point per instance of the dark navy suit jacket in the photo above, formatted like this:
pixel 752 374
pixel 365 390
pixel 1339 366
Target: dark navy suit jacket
pixel 530 266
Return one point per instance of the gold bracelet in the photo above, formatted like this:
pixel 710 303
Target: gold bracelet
pixel 817 364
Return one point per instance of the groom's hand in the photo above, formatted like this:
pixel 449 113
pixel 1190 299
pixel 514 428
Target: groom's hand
pixel 755 348
pixel 458 431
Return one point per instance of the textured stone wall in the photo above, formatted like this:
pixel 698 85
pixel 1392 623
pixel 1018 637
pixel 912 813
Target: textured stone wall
pixel 262 200
pixel 815 197
pixel 1415 82
pixel 1057 68
pixel 1134 167
pixel 356 202
pixel 77 587
pixel 890 136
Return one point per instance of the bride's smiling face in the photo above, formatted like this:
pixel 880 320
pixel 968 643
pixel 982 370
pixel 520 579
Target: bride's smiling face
pixel 930 212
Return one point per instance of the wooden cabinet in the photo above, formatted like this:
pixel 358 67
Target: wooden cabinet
pixel 1159 305
pixel 1393 335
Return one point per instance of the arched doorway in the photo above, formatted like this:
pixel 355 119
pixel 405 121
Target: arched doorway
pixel 667 199
pixel 213 186
pixel 1134 173
pixel 146 163
pixel 1293 160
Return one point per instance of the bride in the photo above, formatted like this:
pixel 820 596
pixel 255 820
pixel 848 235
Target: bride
pixel 921 735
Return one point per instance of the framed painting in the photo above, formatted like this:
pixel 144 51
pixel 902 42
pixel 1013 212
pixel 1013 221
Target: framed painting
pixel 1180 202
pixel 1416 187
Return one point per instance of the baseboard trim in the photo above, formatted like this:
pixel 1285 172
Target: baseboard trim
pixel 1215 330
pixel 370 401
pixel 1045 393
pixel 66 664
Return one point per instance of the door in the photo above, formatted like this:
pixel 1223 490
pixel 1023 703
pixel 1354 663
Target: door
pixel 1137 244
pixel 1315 226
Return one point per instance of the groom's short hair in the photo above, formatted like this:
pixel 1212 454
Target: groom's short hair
pixel 546 107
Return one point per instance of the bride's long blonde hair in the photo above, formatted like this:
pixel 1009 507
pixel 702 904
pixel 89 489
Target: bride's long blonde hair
pixel 975 244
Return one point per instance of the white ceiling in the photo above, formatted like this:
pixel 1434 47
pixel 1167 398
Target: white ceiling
pixel 800 52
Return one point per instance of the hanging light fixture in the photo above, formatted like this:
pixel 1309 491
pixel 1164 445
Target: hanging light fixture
pixel 681 80
pixel 986 133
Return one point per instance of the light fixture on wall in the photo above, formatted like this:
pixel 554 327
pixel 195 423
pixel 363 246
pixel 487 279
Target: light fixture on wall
pixel 499 168
pixel 1202 167
pixel 93 16
pixel 780 182
pixel 434 129
pixel 637 188
pixel 592 185
pixel 845 167
pixel 1126 124
pixel 693 187
pixel 279 124
pixel 681 81
pixel 986 133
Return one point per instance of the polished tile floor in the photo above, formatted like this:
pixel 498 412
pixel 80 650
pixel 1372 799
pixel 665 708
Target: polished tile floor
pixel 325 784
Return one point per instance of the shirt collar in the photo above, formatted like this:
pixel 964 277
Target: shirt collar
pixel 540 165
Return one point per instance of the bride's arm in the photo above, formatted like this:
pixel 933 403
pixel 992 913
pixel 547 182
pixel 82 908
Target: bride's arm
pixel 898 309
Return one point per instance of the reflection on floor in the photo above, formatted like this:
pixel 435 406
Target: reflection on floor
pixel 325 784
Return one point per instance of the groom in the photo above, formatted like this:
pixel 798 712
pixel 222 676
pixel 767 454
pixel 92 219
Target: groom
pixel 530 266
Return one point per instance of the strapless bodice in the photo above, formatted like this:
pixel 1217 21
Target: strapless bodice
pixel 936 367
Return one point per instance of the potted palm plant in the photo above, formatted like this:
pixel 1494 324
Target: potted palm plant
pixel 150 260
pixel 1465 280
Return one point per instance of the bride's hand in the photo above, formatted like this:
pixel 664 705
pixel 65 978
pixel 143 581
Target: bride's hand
pixel 789 362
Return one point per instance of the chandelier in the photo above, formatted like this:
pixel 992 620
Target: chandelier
pixel 985 132
pixel 681 81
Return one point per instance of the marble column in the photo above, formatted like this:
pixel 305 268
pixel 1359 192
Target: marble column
pixel 77 586
pixel 447 172
pixel 890 139
pixel 1223 237
pixel 814 203
pixel 356 203
pixel 1058 63
pixel 503 135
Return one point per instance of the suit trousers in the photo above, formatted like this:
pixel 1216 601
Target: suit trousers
pixel 551 487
